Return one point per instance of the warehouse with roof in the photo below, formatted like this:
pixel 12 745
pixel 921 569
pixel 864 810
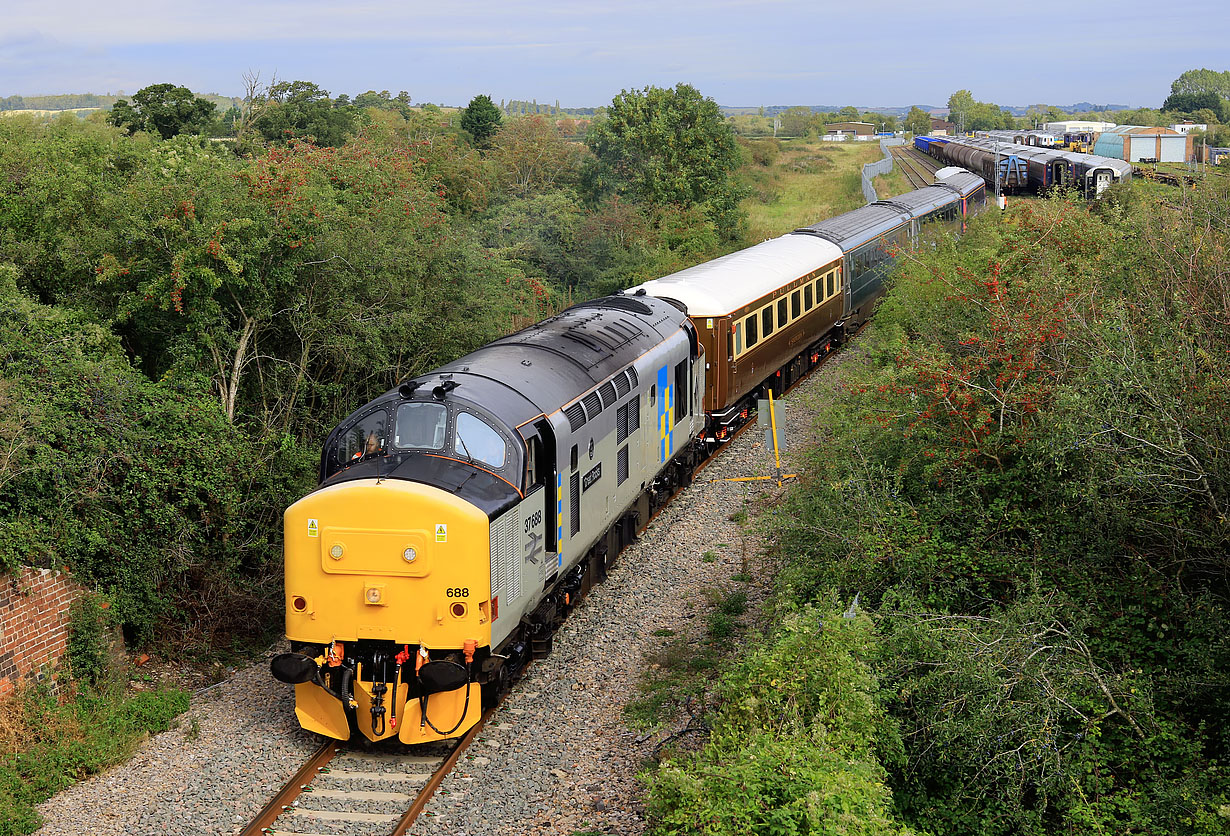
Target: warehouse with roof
pixel 1074 126
pixel 1135 144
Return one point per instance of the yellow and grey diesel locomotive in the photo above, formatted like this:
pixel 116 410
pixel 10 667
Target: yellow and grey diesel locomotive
pixel 462 514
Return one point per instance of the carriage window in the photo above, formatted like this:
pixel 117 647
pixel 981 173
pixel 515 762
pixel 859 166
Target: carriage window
pixel 782 311
pixel 831 280
pixel 738 338
pixel 808 301
pixel 475 439
pixel 366 438
pixel 421 426
pixel 749 326
pixel 796 305
pixel 766 320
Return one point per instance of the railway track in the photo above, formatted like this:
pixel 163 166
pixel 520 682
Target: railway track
pixel 917 173
pixel 360 792
pixel 356 791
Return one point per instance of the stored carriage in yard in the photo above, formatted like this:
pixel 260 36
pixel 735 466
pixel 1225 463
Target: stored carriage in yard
pixel 1025 167
pixel 462 514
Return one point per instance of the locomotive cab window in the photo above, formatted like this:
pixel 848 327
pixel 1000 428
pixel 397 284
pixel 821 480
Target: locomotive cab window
pixel 421 426
pixel 475 439
pixel 366 438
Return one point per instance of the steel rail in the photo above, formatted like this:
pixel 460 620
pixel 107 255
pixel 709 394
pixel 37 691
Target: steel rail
pixel 294 787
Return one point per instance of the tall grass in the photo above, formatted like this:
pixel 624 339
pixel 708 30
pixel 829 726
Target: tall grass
pixel 797 182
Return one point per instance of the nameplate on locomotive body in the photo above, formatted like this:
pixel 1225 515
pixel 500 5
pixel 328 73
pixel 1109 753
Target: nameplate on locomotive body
pixel 589 479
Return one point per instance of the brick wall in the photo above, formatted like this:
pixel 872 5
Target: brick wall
pixel 34 607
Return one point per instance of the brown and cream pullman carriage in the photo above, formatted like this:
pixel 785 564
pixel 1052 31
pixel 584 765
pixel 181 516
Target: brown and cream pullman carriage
pixel 765 316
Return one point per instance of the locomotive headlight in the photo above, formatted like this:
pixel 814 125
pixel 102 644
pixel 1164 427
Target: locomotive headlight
pixel 374 594
pixel 337 551
pixel 409 555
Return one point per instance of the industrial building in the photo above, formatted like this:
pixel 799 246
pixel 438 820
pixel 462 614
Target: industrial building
pixel 1077 126
pixel 1187 126
pixel 1136 144
pixel 850 129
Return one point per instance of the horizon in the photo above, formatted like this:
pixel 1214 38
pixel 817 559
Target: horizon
pixel 740 53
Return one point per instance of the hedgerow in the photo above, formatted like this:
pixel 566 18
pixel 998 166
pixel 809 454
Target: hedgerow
pixel 1023 475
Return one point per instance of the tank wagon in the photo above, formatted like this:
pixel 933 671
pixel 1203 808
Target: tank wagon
pixel 461 515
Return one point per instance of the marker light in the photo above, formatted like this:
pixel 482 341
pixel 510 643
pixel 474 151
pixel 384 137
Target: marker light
pixel 336 551
pixel 409 555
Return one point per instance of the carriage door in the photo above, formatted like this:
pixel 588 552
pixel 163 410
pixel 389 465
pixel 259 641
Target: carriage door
pixel 540 470
pixel 1101 181
pixel 1059 174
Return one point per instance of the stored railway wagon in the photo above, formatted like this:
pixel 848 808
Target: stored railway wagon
pixel 1024 167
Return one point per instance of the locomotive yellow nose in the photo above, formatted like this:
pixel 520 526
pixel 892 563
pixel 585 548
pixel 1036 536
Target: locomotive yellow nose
pixel 386 560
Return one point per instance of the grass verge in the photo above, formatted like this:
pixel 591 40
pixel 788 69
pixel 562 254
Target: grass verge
pixel 46 747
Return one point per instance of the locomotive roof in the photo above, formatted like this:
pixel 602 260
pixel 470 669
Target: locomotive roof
pixel 544 367
pixel 726 284
pixel 856 228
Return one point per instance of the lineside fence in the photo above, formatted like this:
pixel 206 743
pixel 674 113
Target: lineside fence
pixel 879 167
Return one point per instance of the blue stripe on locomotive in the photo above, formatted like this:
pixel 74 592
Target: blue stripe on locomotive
pixel 665 424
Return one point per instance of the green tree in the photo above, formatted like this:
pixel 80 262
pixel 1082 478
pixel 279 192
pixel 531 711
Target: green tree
pixel 960 106
pixel 1191 102
pixel 163 109
pixel 668 146
pixel 849 113
pixel 531 155
pixel 796 120
pixel 481 118
pixel 918 121
pixel 1196 82
pixel 302 110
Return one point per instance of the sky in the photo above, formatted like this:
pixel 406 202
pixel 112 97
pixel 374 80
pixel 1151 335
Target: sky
pixel 868 53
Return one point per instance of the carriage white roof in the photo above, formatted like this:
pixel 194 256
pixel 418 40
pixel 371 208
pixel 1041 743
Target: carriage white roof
pixel 724 285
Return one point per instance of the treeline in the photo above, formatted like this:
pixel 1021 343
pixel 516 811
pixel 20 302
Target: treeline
pixel 1003 608
pixel 802 121
pixel 1203 96
pixel 182 324
pixel 74 101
